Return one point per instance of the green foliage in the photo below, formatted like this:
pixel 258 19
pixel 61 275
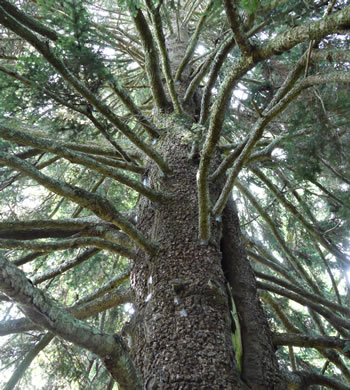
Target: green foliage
pixel 250 6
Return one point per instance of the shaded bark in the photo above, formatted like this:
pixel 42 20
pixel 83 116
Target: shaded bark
pixel 259 364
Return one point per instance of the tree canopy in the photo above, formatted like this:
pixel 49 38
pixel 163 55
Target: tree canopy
pixel 87 88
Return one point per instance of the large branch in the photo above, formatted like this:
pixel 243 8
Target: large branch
pixel 236 25
pixel 311 341
pixel 47 313
pixel 80 311
pixel 151 60
pixel 278 45
pixel 97 204
pixel 28 21
pixel 8 21
pixel 160 38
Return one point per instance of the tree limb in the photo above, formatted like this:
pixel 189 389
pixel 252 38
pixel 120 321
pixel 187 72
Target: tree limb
pixel 47 313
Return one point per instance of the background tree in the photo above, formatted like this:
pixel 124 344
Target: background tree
pixel 125 127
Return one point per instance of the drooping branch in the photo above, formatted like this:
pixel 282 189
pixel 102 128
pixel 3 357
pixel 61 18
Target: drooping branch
pixel 302 292
pixel 97 204
pixel 313 230
pixel 47 313
pixel 335 320
pixel 290 256
pixel 76 157
pixel 9 22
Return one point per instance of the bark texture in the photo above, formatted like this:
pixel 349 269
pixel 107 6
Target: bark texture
pixel 182 329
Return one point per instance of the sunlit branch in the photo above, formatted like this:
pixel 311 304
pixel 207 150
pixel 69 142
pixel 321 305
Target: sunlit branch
pixel 48 54
pixel 302 292
pixel 193 42
pixel 106 288
pixel 311 341
pixel 151 60
pixel 306 32
pixel 335 320
pixel 76 157
pixel 73 243
pixel 47 313
pixel 261 123
pixel 313 230
pixel 272 265
pixel 277 307
pixel 236 24
pixel 157 22
pixel 97 204
pixel 290 256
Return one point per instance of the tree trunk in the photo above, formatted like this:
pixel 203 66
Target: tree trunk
pixel 181 332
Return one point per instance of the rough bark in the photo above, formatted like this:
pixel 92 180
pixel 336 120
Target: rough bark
pixel 180 336
pixel 260 368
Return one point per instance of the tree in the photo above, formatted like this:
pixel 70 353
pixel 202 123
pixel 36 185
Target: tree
pixel 126 127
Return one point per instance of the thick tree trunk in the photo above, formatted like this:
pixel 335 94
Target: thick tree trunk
pixel 181 332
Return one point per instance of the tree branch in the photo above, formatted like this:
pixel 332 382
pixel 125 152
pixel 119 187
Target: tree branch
pixel 97 204
pixel 151 60
pixel 9 22
pixel 73 243
pixel 301 380
pixel 311 341
pixel 236 24
pixel 335 320
pixel 45 312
